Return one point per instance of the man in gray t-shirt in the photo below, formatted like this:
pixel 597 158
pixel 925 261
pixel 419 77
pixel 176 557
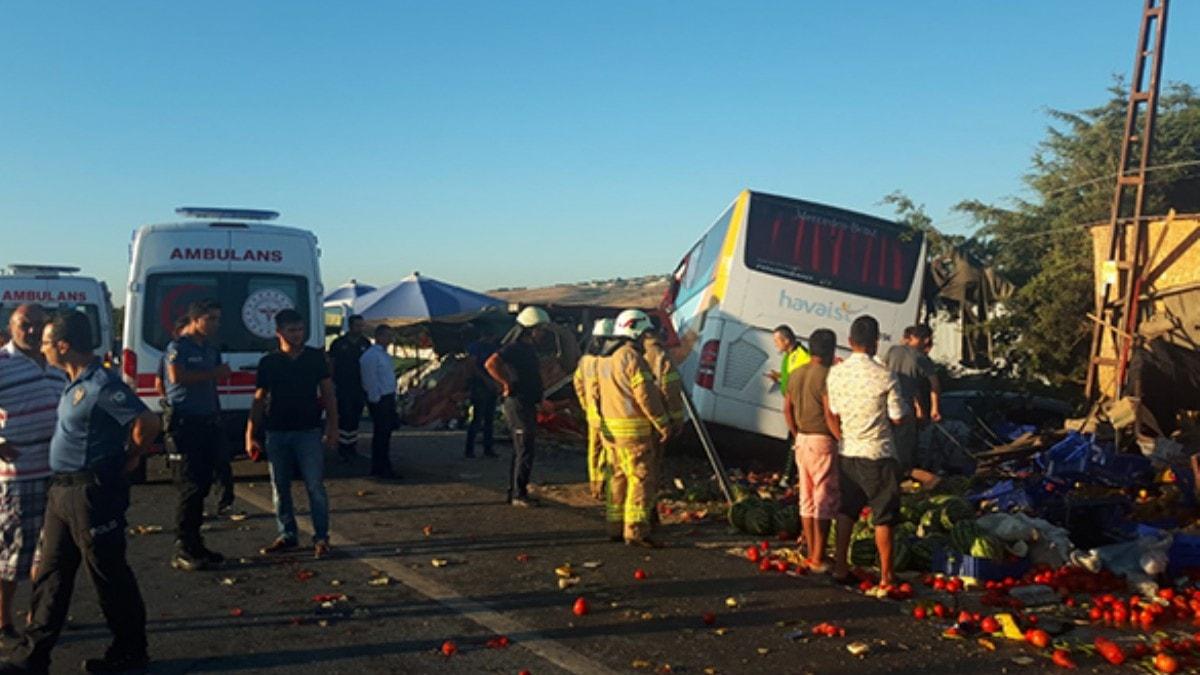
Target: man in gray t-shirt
pixel 919 387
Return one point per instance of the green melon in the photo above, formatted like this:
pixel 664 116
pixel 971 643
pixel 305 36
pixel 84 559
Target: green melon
pixel 863 553
pixel 954 511
pixel 931 523
pixel 737 514
pixel 989 547
pixel 759 518
pixel 787 520
pixel 963 536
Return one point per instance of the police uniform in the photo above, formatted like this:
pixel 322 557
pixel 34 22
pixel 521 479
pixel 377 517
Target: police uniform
pixel 195 430
pixel 347 384
pixel 85 519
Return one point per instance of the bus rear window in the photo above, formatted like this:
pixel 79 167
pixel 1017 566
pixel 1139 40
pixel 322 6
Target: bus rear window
pixel 699 266
pixel 248 305
pixel 831 248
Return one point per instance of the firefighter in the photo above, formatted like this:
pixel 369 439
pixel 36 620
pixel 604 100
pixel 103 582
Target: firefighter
pixel 633 422
pixel 588 394
pixel 666 378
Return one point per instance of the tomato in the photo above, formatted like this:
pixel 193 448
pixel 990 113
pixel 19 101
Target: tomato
pixel 581 606
pixel 965 617
pixel 1110 651
pixel 1165 663
pixel 989 625
pixel 920 613
pixel 939 610
pixel 639 574
pixel 1062 659
pixel 449 648
pixel 1167 593
pixel 1037 637
pixel 939 584
pixel 752 554
pixel 1095 613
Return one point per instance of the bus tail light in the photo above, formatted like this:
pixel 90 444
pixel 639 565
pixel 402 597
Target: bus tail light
pixel 707 370
pixel 129 367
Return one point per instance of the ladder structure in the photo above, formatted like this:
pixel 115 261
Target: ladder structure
pixel 1115 322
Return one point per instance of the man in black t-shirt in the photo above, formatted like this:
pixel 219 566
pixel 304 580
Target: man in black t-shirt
pixel 516 369
pixel 347 384
pixel 292 390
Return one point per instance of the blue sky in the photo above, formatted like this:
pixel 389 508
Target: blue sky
pixel 521 143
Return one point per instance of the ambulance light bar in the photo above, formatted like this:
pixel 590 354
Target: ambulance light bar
pixel 53 270
pixel 218 213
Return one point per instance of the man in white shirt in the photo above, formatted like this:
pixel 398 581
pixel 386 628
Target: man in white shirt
pixel 29 393
pixel 862 405
pixel 379 384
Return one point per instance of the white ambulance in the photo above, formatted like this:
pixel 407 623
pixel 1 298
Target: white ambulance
pixel 58 288
pixel 251 268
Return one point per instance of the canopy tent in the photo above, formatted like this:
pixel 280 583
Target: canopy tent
pixel 417 299
pixel 347 293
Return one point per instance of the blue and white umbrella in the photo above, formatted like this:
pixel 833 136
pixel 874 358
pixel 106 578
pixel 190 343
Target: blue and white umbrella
pixel 417 299
pixel 347 293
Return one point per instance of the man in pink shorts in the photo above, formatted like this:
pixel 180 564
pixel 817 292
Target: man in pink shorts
pixel 816 448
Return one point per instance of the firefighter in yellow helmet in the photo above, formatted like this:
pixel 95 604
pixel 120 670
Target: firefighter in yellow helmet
pixel 633 422
pixel 588 392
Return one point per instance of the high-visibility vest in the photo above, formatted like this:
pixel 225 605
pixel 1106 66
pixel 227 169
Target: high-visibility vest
pixel 790 363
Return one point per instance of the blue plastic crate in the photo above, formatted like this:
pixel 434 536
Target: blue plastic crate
pixel 953 563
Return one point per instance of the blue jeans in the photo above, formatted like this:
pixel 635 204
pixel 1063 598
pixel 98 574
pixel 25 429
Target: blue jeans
pixel 287 451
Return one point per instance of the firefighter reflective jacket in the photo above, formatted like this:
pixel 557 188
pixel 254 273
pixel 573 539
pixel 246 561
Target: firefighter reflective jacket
pixel 666 377
pixel 632 411
pixel 588 392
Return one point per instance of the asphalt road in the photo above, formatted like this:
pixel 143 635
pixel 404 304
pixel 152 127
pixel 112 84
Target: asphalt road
pixel 258 614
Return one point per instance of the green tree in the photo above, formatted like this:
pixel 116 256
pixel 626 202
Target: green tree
pixel 1041 243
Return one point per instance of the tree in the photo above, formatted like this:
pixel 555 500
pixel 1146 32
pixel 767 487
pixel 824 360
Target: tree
pixel 1042 245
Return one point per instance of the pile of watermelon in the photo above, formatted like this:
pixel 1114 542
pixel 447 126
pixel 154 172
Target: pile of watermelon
pixel 758 516
pixel 942 521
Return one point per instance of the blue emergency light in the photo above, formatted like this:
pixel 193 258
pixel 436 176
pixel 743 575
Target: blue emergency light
pixel 218 213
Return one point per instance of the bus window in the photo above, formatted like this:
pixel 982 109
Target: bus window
pixel 824 247
pixel 699 265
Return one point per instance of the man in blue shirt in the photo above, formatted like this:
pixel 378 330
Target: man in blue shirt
pixel 193 367
pixel 98 415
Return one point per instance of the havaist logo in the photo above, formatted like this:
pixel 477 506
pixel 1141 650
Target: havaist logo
pixel 838 312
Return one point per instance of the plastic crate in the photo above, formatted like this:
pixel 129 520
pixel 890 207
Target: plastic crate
pixel 966 566
pixel 1184 554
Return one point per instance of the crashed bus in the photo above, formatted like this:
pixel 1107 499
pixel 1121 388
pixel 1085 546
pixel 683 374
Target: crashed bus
pixel 771 260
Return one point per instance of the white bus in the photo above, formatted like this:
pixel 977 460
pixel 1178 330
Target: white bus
pixel 252 268
pixel 771 260
pixel 58 288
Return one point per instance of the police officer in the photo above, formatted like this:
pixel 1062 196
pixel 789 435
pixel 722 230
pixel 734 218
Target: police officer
pixel 193 367
pixel 344 354
pixel 98 415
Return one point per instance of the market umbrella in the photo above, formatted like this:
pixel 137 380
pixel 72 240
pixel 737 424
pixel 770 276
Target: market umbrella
pixel 347 293
pixel 417 299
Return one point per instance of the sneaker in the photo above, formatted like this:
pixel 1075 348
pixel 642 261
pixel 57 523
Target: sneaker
pixel 117 664
pixel 524 502
pixel 320 549
pixel 188 561
pixel 280 545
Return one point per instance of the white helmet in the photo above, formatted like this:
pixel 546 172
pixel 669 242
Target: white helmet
pixel 603 328
pixel 632 323
pixel 533 316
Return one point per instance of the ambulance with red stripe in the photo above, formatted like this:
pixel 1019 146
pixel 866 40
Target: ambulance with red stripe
pixel 252 268
pixel 57 288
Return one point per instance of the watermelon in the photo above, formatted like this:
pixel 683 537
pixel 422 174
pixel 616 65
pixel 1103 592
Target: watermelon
pixel 862 530
pixel 920 554
pixel 759 518
pixel 930 524
pixel 737 513
pixel 905 531
pixel 963 536
pixel 955 510
pixel 787 521
pixel 863 553
pixel 986 546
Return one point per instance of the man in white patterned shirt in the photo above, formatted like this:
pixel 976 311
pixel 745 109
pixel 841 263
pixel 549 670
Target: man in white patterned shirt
pixel 29 393
pixel 862 405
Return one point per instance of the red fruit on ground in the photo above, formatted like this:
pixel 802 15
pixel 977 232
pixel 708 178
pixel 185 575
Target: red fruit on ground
pixel 920 613
pixel 639 574
pixel 449 648
pixel 989 625
pixel 581 606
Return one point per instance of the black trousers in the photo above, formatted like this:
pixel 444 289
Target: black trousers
pixel 484 417
pixel 350 400
pixel 383 423
pixel 522 422
pixel 85 525
pixel 200 443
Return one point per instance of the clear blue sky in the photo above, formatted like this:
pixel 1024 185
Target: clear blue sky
pixel 522 143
